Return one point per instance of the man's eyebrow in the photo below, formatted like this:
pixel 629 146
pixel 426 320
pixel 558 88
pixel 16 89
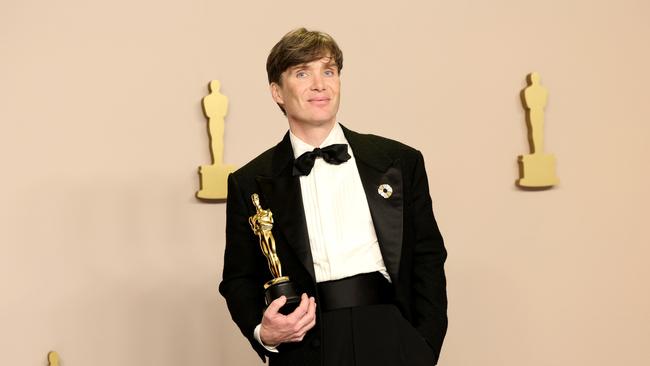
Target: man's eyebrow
pixel 332 63
pixel 297 67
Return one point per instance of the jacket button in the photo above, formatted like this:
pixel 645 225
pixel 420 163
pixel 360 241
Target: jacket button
pixel 315 342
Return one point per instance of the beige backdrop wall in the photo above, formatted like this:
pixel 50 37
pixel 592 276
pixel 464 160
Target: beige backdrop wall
pixel 107 257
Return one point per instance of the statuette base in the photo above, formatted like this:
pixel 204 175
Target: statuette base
pixel 213 178
pixel 537 171
pixel 282 287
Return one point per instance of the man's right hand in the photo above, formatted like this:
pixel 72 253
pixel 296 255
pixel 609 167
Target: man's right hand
pixel 277 328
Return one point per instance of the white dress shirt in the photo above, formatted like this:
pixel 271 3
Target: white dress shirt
pixel 341 233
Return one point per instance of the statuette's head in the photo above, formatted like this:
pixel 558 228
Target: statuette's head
pixel 215 85
pixel 256 201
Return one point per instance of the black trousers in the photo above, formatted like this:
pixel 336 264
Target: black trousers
pixel 374 335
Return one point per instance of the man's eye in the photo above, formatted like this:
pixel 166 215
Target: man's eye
pixel 329 72
pixel 301 74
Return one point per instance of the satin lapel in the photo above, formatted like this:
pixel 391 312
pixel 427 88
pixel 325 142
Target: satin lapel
pixel 282 194
pixel 375 169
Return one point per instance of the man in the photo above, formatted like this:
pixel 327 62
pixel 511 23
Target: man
pixel 354 230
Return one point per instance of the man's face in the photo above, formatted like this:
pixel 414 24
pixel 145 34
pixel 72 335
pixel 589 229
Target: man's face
pixel 309 92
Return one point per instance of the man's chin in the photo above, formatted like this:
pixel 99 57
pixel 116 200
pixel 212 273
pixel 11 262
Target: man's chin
pixel 315 120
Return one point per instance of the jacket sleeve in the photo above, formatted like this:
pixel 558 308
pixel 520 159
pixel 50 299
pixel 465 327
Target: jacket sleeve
pixel 242 284
pixel 429 302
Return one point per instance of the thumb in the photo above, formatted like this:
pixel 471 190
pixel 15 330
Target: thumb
pixel 276 304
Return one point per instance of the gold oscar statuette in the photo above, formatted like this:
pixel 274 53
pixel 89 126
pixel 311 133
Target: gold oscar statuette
pixel 214 177
pixel 262 226
pixel 537 169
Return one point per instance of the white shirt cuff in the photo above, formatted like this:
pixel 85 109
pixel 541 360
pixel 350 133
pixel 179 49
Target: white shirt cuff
pixel 256 335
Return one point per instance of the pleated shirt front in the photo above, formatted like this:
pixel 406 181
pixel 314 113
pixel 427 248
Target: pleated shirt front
pixel 341 233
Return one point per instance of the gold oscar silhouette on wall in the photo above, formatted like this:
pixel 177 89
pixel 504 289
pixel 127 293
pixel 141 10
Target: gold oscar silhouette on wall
pixel 537 169
pixel 214 177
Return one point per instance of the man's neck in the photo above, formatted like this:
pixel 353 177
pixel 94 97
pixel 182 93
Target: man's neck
pixel 314 135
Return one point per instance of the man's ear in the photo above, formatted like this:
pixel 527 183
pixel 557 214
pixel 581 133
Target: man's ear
pixel 276 93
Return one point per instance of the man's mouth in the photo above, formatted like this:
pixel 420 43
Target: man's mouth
pixel 319 100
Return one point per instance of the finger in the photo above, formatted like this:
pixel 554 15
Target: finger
pixel 307 327
pixel 309 316
pixel 300 311
pixel 299 339
pixel 275 305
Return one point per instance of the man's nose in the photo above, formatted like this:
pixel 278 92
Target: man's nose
pixel 317 82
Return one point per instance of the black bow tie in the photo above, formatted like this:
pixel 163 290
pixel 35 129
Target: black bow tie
pixel 333 154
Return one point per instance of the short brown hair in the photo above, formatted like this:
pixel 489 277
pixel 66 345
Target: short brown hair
pixel 300 46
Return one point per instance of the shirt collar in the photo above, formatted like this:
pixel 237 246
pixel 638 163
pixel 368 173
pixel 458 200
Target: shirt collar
pixel 335 136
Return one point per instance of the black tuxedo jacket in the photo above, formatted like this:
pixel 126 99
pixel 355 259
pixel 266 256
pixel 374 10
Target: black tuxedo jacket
pixel 409 239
